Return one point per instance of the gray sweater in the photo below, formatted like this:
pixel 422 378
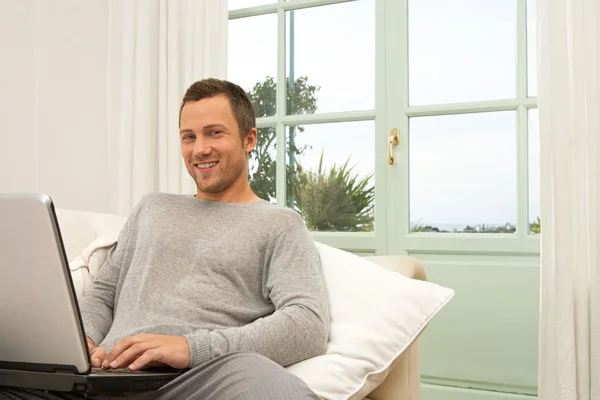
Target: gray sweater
pixel 229 277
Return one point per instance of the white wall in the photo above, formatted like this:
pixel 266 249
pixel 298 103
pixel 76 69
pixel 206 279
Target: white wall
pixel 53 100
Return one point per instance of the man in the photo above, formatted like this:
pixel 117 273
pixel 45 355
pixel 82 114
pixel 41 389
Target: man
pixel 223 283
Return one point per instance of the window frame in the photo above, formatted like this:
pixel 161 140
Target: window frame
pixel 526 242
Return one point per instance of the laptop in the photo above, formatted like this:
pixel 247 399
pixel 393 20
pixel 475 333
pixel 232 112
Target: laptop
pixel 42 337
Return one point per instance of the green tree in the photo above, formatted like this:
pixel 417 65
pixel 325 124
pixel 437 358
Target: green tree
pixel 335 199
pixel 300 99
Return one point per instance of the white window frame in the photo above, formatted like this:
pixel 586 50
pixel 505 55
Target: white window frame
pixel 381 240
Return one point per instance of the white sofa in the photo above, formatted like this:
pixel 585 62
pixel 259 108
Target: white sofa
pixel 79 229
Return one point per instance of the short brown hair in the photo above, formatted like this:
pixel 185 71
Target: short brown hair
pixel 240 103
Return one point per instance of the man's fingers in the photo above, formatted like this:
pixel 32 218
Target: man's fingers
pixel 138 351
pixel 90 343
pixel 120 347
pixel 130 354
pixel 97 355
pixel 146 358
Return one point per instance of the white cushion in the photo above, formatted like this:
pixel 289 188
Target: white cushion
pixel 375 315
pixel 79 229
pixel 82 233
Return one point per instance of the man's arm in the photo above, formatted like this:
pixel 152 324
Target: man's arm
pixel 97 303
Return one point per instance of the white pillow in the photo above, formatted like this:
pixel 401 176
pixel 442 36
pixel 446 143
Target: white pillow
pixel 375 315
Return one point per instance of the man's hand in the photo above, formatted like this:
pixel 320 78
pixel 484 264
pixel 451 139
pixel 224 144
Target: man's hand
pixel 97 354
pixel 137 351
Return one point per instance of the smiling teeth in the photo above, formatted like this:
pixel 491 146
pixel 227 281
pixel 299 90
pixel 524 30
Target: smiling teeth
pixel 207 165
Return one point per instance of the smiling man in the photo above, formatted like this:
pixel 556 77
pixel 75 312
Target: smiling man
pixel 223 283
pixel 217 134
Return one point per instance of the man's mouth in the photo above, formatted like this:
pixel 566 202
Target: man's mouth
pixel 204 167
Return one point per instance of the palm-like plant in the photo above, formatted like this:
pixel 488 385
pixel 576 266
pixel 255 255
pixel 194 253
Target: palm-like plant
pixel 336 199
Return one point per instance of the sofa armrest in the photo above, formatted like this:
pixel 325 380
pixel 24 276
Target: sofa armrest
pixel 406 265
pixel 403 382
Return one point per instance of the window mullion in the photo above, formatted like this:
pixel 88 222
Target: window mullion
pixel 521 50
pixel 280 111
pixel 522 173
pixel 397 183
pixel 462 108
pixel 281 170
pixel 522 142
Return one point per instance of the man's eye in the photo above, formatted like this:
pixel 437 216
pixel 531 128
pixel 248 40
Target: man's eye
pixel 214 132
pixel 188 137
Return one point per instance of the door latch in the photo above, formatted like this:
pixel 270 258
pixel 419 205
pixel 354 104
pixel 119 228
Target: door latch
pixel 393 140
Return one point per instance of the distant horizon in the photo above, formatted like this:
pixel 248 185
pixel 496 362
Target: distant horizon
pixel 462 225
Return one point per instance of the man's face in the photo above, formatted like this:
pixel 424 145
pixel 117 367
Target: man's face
pixel 211 145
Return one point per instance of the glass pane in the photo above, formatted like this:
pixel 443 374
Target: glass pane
pixel 531 48
pixel 262 165
pixel 534 170
pixel 330 178
pixel 331 58
pixel 463 173
pixel 461 50
pixel 252 62
pixel 237 4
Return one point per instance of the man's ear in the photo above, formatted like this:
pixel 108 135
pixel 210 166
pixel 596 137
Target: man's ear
pixel 250 140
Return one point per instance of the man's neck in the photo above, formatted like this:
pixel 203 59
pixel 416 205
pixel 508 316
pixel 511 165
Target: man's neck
pixel 231 195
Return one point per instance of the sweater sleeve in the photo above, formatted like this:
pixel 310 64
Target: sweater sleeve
pixel 97 303
pixel 298 329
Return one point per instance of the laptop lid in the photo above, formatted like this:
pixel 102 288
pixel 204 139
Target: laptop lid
pixel 40 324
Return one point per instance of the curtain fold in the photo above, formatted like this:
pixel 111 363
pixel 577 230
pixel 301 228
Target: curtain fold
pixel 157 48
pixel 568 93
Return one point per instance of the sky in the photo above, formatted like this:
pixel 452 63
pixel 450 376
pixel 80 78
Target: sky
pixel 462 167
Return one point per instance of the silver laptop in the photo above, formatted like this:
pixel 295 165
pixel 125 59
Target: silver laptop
pixel 42 338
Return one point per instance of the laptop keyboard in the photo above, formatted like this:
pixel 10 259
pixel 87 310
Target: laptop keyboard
pixel 119 371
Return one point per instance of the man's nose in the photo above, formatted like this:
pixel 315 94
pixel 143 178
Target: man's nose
pixel 202 147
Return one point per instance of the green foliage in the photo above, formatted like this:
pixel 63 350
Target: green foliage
pixel 536 227
pixel 336 199
pixel 301 99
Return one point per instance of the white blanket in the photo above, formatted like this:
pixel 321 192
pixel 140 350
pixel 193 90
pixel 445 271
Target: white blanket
pixel 84 267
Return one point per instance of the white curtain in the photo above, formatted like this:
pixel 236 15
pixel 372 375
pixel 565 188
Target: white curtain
pixel 569 109
pixel 156 50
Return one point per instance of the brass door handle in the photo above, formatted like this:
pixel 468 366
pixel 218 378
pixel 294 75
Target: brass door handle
pixel 393 140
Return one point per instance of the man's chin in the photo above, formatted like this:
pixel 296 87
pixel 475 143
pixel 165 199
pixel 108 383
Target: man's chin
pixel 209 189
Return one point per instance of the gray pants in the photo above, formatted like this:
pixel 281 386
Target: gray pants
pixel 238 376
